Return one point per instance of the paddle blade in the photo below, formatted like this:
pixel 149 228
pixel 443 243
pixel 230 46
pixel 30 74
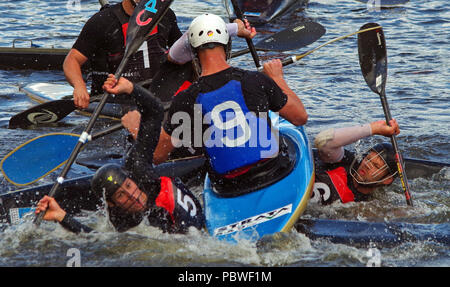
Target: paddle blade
pixel 144 19
pixel 292 38
pixel 372 57
pixel 37 157
pixel 45 113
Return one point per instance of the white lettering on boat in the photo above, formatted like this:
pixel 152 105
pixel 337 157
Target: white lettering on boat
pixel 254 220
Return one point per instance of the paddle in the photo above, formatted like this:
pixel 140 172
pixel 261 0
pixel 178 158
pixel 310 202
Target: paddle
pixel 373 61
pixel 45 113
pixel 292 38
pixel 42 155
pixel 250 45
pixel 145 17
pixel 296 58
pixel 49 112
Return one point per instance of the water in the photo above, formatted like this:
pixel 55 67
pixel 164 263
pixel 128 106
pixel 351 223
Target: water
pixel 334 92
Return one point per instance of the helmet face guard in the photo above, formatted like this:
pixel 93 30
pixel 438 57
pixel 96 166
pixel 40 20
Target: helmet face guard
pixel 386 153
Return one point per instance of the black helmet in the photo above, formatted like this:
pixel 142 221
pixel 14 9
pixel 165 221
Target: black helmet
pixel 387 153
pixel 109 178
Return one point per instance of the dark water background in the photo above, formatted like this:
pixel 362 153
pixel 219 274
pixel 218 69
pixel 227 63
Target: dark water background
pixel 334 92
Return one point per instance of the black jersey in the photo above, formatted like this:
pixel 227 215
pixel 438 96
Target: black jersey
pixel 334 182
pixel 102 41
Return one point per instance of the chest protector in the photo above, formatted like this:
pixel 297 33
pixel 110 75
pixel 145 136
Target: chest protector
pixel 235 137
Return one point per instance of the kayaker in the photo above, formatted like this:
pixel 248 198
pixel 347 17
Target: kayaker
pixel 227 99
pixel 343 175
pixel 135 191
pixel 102 42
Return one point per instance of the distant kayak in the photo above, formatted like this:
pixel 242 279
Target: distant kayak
pixel 260 12
pixel 34 58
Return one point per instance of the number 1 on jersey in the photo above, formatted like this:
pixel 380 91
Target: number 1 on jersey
pixel 144 49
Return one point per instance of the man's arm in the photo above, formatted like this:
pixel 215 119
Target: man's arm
pixel 72 70
pixel 163 149
pixel 294 110
pixel 330 143
pixel 53 212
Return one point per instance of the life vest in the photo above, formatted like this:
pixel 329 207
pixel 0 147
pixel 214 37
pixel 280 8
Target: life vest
pixel 182 206
pixel 235 137
pixel 338 177
pixel 331 185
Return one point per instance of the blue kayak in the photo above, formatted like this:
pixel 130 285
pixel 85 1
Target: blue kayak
pixel 266 209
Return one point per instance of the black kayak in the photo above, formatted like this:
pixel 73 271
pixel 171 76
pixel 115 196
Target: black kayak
pixel 260 12
pixel 368 234
pixel 33 58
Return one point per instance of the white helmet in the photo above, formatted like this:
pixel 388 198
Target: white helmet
pixel 208 28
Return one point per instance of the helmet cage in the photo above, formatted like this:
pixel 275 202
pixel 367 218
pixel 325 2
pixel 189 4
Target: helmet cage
pixel 375 172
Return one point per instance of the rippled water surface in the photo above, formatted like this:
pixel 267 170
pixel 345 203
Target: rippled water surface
pixel 334 92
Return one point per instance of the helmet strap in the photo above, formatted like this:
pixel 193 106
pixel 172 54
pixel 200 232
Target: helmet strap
pixel 228 49
pixel 196 64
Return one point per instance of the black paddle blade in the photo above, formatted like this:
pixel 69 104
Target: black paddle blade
pixel 292 38
pixel 142 23
pixel 372 57
pixel 45 113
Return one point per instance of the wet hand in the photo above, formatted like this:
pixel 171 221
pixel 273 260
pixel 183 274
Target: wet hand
pixel 81 97
pixel 245 30
pixel 273 68
pixel 131 122
pixel 381 128
pixel 54 211
pixel 114 86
